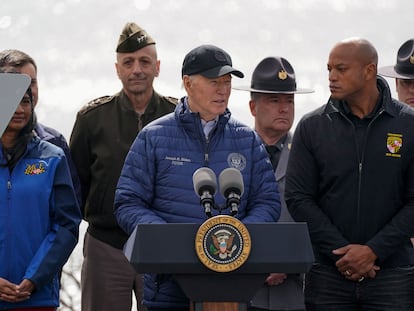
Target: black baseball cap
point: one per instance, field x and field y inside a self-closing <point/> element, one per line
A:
<point x="209" y="61"/>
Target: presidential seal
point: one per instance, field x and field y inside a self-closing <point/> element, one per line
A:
<point x="222" y="243"/>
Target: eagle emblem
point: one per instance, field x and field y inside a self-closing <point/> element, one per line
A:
<point x="223" y="244"/>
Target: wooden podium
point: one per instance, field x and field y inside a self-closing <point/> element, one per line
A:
<point x="170" y="249"/>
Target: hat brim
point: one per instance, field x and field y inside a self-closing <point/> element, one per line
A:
<point x="389" y="71"/>
<point x="297" y="91"/>
<point x="221" y="71"/>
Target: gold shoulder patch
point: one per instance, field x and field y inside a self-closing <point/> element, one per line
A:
<point x="95" y="103"/>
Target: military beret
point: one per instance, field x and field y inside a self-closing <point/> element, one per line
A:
<point x="133" y="38"/>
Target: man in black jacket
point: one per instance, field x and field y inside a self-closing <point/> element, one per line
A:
<point x="350" y="176"/>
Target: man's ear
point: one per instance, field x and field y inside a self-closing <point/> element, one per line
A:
<point x="252" y="105"/>
<point x="158" y="68"/>
<point x="116" y="69"/>
<point x="371" y="71"/>
<point x="186" y="82"/>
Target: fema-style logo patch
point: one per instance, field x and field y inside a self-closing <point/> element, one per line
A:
<point x="236" y="160"/>
<point x="36" y="168"/>
<point x="223" y="243"/>
<point x="394" y="145"/>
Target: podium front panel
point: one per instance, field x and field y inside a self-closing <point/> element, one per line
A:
<point x="170" y="248"/>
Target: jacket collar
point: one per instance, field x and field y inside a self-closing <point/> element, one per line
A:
<point x="151" y="107"/>
<point x="191" y="121"/>
<point x="30" y="145"/>
<point x="386" y="101"/>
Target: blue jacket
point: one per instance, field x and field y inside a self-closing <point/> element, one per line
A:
<point x="156" y="184"/>
<point x="39" y="221"/>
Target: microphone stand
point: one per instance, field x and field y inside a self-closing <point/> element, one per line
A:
<point x="232" y="203"/>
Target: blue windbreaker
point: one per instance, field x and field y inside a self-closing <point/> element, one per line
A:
<point x="39" y="221"/>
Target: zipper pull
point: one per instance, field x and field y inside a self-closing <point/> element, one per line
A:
<point x="8" y="185"/>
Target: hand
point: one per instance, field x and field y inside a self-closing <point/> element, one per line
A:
<point x="7" y="290"/>
<point x="10" y="292"/>
<point x="275" y="279"/>
<point x="357" y="262"/>
<point x="25" y="288"/>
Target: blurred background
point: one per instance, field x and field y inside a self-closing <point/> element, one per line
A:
<point x="74" y="41"/>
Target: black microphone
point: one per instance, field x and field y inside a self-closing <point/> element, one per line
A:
<point x="231" y="187"/>
<point x="205" y="185"/>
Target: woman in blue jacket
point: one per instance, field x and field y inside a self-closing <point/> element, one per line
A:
<point x="39" y="215"/>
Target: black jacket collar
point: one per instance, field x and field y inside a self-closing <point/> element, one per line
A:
<point x="386" y="101"/>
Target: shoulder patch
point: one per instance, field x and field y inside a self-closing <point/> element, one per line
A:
<point x="95" y="103"/>
<point x="170" y="99"/>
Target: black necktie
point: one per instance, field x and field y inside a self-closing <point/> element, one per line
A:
<point x="274" y="155"/>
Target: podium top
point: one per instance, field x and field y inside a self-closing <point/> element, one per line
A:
<point x="13" y="86"/>
<point x="170" y="248"/>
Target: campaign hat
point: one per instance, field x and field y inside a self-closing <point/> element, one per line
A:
<point x="404" y="68"/>
<point x="274" y="75"/>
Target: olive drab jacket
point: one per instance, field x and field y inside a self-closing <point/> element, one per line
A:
<point x="102" y="135"/>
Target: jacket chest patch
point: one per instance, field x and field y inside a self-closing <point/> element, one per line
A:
<point x="36" y="168"/>
<point x="236" y="160"/>
<point x="394" y="145"/>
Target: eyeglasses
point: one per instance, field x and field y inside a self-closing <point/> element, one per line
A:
<point x="406" y="83"/>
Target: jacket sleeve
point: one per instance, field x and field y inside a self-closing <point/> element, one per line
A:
<point x="301" y="193"/>
<point x="63" y="236"/>
<point x="80" y="155"/>
<point x="263" y="198"/>
<point x="134" y="192"/>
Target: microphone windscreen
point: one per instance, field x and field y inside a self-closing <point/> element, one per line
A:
<point x="230" y="179"/>
<point x="204" y="179"/>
